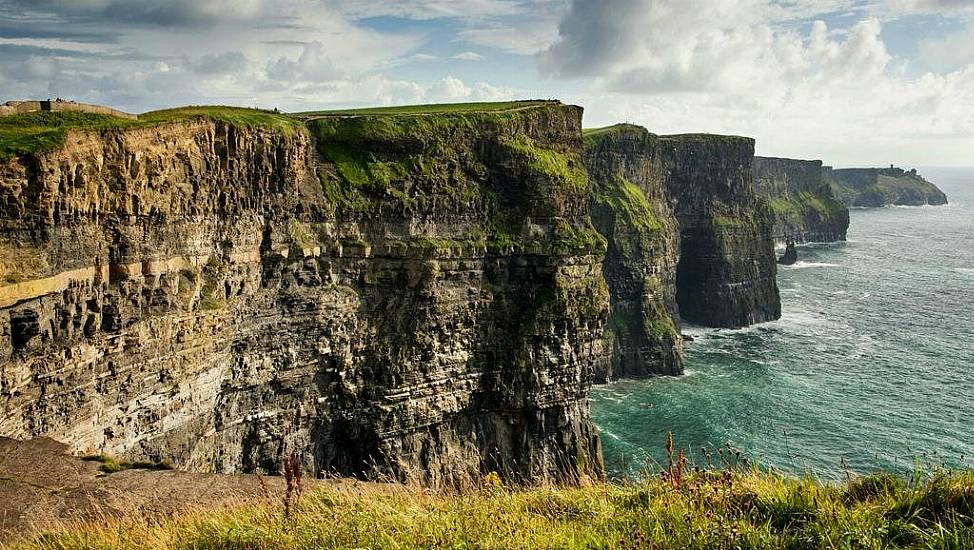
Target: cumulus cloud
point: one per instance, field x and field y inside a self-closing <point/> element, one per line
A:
<point x="738" y="66"/>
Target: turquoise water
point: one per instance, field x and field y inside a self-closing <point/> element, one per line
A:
<point x="872" y="364"/>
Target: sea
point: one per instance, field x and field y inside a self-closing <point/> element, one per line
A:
<point x="871" y="366"/>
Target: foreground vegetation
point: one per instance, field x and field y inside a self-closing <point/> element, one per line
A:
<point x="731" y="508"/>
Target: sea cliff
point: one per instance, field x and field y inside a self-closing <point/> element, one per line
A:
<point x="803" y="203"/>
<point x="688" y="240"/>
<point x="422" y="294"/>
<point x="413" y="297"/>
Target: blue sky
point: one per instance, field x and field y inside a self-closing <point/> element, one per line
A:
<point x="853" y="82"/>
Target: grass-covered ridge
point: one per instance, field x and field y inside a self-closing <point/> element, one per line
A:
<point x="41" y="131"/>
<point x="433" y="108"/>
<point x="727" y="509"/>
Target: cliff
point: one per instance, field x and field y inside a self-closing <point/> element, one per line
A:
<point x="874" y="187"/>
<point x="406" y="295"/>
<point x="727" y="272"/>
<point x="804" y="206"/>
<point x="630" y="207"/>
<point x="687" y="238"/>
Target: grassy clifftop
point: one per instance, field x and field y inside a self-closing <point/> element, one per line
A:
<point x="42" y="131"/>
<point x="432" y="108"/>
<point x="705" y="510"/>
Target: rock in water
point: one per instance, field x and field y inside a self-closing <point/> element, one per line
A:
<point x="790" y="257"/>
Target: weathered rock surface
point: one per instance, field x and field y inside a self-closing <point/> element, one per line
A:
<point x="415" y="297"/>
<point x="727" y="272"/>
<point x="687" y="237"/>
<point x="803" y="203"/>
<point x="874" y="187"/>
<point x="631" y="208"/>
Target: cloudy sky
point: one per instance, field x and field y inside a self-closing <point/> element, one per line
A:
<point x="854" y="82"/>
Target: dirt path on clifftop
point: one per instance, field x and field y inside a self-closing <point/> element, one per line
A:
<point x="43" y="487"/>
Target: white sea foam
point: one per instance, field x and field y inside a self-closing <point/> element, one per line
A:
<point x="964" y="270"/>
<point x="803" y="265"/>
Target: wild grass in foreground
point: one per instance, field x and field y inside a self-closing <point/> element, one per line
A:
<point x="731" y="508"/>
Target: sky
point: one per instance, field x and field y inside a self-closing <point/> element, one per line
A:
<point x="852" y="82"/>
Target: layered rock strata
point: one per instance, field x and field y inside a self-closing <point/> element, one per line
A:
<point x="412" y="297"/>
<point x="804" y="206"/>
<point x="874" y="187"/>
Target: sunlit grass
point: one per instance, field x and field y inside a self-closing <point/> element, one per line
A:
<point x="712" y="509"/>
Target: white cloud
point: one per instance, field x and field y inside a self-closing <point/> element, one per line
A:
<point x="832" y="93"/>
<point x="468" y="56"/>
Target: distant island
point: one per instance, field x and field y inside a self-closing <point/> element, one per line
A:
<point x="873" y="187"/>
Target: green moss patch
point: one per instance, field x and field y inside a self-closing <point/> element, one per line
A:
<point x="110" y="465"/>
<point x="560" y="167"/>
<point x="629" y="203"/>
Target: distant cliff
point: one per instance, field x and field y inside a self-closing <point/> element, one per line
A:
<point x="687" y="238"/>
<point x="883" y="187"/>
<point x="804" y="205"/>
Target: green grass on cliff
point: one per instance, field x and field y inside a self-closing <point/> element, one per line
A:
<point x="42" y="131"/>
<point x="437" y="108"/>
<point x="591" y="135"/>
<point x="238" y="116"/>
<point x="729" y="509"/>
<point x="796" y="207"/>
<point x="627" y="201"/>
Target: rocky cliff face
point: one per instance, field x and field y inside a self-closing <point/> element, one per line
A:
<point x="417" y="297"/>
<point x="802" y="202"/>
<point x="630" y="207"/>
<point x="727" y="271"/>
<point x="874" y="187"/>
<point x="687" y="237"/>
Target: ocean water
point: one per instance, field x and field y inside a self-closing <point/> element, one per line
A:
<point x="871" y="366"/>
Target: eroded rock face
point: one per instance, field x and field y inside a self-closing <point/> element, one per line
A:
<point x="630" y="207"/>
<point x="804" y="206"/>
<point x="727" y="271"/>
<point x="687" y="238"/>
<point x="218" y="296"/>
